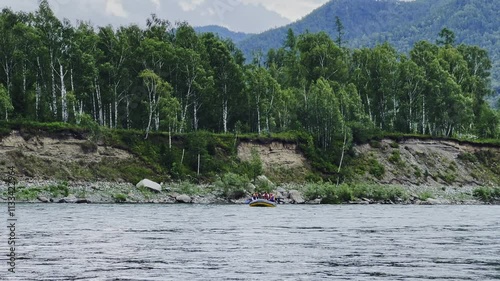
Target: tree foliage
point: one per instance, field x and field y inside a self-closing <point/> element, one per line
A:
<point x="166" y="77"/>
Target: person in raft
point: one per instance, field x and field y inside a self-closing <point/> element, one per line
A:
<point x="255" y="196"/>
<point x="266" y="195"/>
<point x="272" y="198"/>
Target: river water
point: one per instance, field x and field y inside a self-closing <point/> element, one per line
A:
<point x="174" y="242"/>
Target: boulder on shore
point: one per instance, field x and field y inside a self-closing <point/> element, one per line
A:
<point x="43" y="199"/>
<point x="156" y="187"/>
<point x="71" y="199"/>
<point x="183" y="199"/>
<point x="296" y="197"/>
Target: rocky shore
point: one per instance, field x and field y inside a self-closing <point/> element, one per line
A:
<point x="183" y="193"/>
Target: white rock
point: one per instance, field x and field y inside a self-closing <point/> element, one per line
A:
<point x="183" y="199"/>
<point x="296" y="197"/>
<point x="43" y="199"/>
<point x="149" y="184"/>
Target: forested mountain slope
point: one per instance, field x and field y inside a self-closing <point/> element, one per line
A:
<point x="369" y="22"/>
<point x="224" y="33"/>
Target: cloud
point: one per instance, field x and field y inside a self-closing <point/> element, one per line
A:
<point x="290" y="9"/>
<point x="156" y="3"/>
<point x="115" y="8"/>
<point x="190" y="5"/>
<point x="238" y="15"/>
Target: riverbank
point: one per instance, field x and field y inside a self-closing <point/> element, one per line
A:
<point x="71" y="165"/>
<point x="188" y="193"/>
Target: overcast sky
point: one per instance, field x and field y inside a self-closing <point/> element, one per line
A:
<point x="238" y="15"/>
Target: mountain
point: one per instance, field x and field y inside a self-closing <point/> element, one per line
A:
<point x="224" y="33"/>
<point x="401" y="23"/>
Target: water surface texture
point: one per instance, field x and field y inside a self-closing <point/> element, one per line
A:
<point x="174" y="242"/>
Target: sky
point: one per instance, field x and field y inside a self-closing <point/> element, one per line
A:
<point x="250" y="16"/>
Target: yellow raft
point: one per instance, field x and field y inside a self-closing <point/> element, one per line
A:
<point x="262" y="203"/>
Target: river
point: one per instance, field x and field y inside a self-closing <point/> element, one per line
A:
<point x="236" y="242"/>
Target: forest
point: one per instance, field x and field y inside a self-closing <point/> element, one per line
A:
<point x="401" y="23"/>
<point x="166" y="77"/>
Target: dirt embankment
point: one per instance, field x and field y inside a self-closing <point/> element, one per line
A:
<point x="409" y="163"/>
<point x="432" y="162"/>
<point x="281" y="161"/>
<point x="66" y="157"/>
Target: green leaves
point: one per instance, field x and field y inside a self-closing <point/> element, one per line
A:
<point x="168" y="77"/>
<point x="5" y="102"/>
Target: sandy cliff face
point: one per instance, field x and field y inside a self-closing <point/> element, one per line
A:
<point x="411" y="162"/>
<point x="274" y="155"/>
<point x="433" y="162"/>
<point x="65" y="157"/>
<point x="281" y="161"/>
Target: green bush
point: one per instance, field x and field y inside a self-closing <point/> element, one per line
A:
<point x="375" y="144"/>
<point x="395" y="145"/>
<point x="376" y="169"/>
<point x="468" y="157"/>
<point x="60" y="190"/>
<point x="232" y="186"/>
<point x="332" y="194"/>
<point x="380" y="192"/>
<point x="27" y="193"/>
<point x="362" y="132"/>
<point x="487" y="195"/>
<point x="120" y="198"/>
<point x="188" y="188"/>
<point x="425" y="195"/>
<point x="313" y="191"/>
<point x="418" y="172"/>
<point x="449" y="177"/>
<point x="395" y="157"/>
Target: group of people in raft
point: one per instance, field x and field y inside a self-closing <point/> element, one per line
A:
<point x="265" y="195"/>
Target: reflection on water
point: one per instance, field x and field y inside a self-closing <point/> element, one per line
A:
<point x="172" y="242"/>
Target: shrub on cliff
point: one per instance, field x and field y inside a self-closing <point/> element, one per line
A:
<point x="487" y="195"/>
<point x="232" y="186"/>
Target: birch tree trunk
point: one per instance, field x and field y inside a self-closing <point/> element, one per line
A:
<point x="258" y="114"/>
<point x="116" y="114"/>
<point x="423" y="115"/>
<point x="8" y="66"/>
<point x="110" y="115"/>
<point x="150" y="118"/>
<point x="225" y="114"/>
<point x="99" y="102"/>
<point x="128" y="113"/>
<point x="53" y="78"/>
<point x="225" y="110"/>
<point x="38" y="93"/>
<point x="195" y="115"/>
<point x="64" y="105"/>
<point x="24" y="79"/>
<point x="72" y="81"/>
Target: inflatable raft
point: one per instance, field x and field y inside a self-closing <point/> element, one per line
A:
<point x="262" y="203"/>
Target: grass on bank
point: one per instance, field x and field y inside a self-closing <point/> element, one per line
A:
<point x="330" y="193"/>
<point x="487" y="195"/>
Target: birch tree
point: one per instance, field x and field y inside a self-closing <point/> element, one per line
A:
<point x="50" y="32"/>
<point x="156" y="90"/>
<point x="227" y="77"/>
